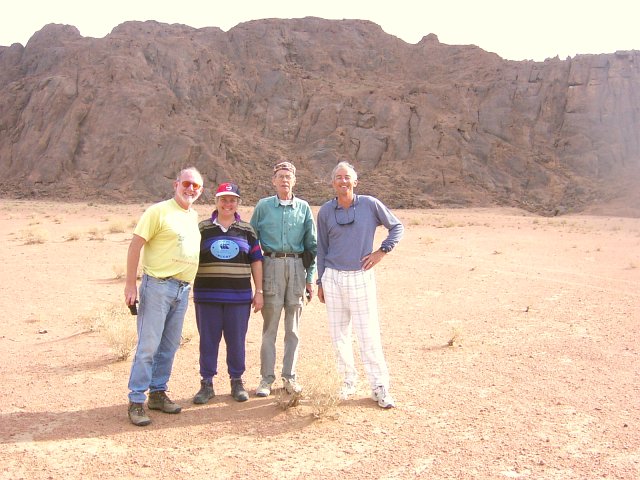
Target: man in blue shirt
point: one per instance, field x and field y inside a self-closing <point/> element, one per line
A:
<point x="284" y="225"/>
<point x="346" y="282"/>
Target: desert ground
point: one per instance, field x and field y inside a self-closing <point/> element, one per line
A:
<point x="512" y="341"/>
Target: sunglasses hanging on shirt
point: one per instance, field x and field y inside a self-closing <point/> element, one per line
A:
<point x="345" y="216"/>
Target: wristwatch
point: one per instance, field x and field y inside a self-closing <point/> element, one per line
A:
<point x="385" y="249"/>
<point x="259" y="291"/>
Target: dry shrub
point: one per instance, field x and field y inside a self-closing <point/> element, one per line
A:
<point x="35" y="236"/>
<point x="73" y="236"/>
<point x="116" y="324"/>
<point x="321" y="390"/>
<point x="455" y="338"/>
<point x="118" y="327"/>
<point x="117" y="227"/>
<point x="285" y="400"/>
<point x="96" y="234"/>
<point x="119" y="271"/>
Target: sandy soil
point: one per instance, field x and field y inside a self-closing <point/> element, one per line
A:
<point x="542" y="380"/>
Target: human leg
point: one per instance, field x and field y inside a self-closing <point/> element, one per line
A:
<point x="366" y="325"/>
<point x="293" y="302"/>
<point x="171" y="336"/>
<point x="273" y="285"/>
<point x="236" y="323"/>
<point x="292" y="314"/>
<point x="210" y="320"/>
<point x="339" y="319"/>
<point x="155" y="305"/>
<point x="271" y="318"/>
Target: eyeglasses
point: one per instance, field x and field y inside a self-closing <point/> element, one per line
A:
<point x="345" y="218"/>
<point x="187" y="183"/>
<point x="285" y="177"/>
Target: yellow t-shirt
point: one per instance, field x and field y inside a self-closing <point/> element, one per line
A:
<point x="172" y="247"/>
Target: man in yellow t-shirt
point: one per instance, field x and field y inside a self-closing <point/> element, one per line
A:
<point x="169" y="233"/>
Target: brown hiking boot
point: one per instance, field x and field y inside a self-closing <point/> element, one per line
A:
<point x="159" y="401"/>
<point x="137" y="415"/>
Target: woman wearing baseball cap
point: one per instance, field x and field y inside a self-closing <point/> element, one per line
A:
<point x="230" y="256"/>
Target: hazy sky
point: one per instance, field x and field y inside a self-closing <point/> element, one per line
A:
<point x="514" y="29"/>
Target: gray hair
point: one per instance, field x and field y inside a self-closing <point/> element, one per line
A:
<point x="344" y="164"/>
<point x="192" y="169"/>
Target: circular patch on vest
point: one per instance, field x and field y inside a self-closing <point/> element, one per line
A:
<point x="224" y="249"/>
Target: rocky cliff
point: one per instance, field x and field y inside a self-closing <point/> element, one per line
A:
<point x="425" y="125"/>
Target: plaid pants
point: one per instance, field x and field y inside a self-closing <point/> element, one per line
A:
<point x="350" y="297"/>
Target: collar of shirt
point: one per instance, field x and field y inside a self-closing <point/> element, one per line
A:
<point x="214" y="220"/>
<point x="336" y="205"/>
<point x="294" y="202"/>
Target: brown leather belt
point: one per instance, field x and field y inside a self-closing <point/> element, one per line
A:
<point x="282" y="255"/>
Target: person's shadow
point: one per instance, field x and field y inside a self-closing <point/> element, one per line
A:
<point x="249" y="418"/>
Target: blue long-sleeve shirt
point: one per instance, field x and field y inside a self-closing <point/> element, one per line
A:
<point x="342" y="243"/>
<point x="285" y="228"/>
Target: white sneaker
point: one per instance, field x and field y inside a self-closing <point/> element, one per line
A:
<point x="383" y="397"/>
<point x="291" y="386"/>
<point x="264" y="389"/>
<point x="347" y="390"/>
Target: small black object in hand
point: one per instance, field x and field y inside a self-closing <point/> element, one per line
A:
<point x="134" y="308"/>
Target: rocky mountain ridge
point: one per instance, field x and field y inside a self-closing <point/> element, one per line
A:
<point x="425" y="125"/>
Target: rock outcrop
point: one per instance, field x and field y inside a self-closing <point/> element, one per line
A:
<point x="425" y="125"/>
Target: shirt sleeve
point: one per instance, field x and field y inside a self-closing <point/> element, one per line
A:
<point x="310" y="241"/>
<point x="391" y="223"/>
<point x="322" y="243"/>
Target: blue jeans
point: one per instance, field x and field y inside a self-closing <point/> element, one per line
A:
<point x="163" y="304"/>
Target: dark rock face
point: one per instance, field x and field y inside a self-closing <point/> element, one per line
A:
<point x="425" y="125"/>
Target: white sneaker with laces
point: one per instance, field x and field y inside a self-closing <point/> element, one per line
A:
<point x="383" y="397"/>
<point x="264" y="389"/>
<point x="291" y="386"/>
<point x="348" y="389"/>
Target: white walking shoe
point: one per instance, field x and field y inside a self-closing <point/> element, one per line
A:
<point x="383" y="397"/>
<point x="291" y="386"/>
<point x="264" y="389"/>
<point x="348" y="390"/>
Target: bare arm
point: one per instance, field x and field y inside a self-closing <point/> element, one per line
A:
<point x="133" y="258"/>
<point x="256" y="273"/>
